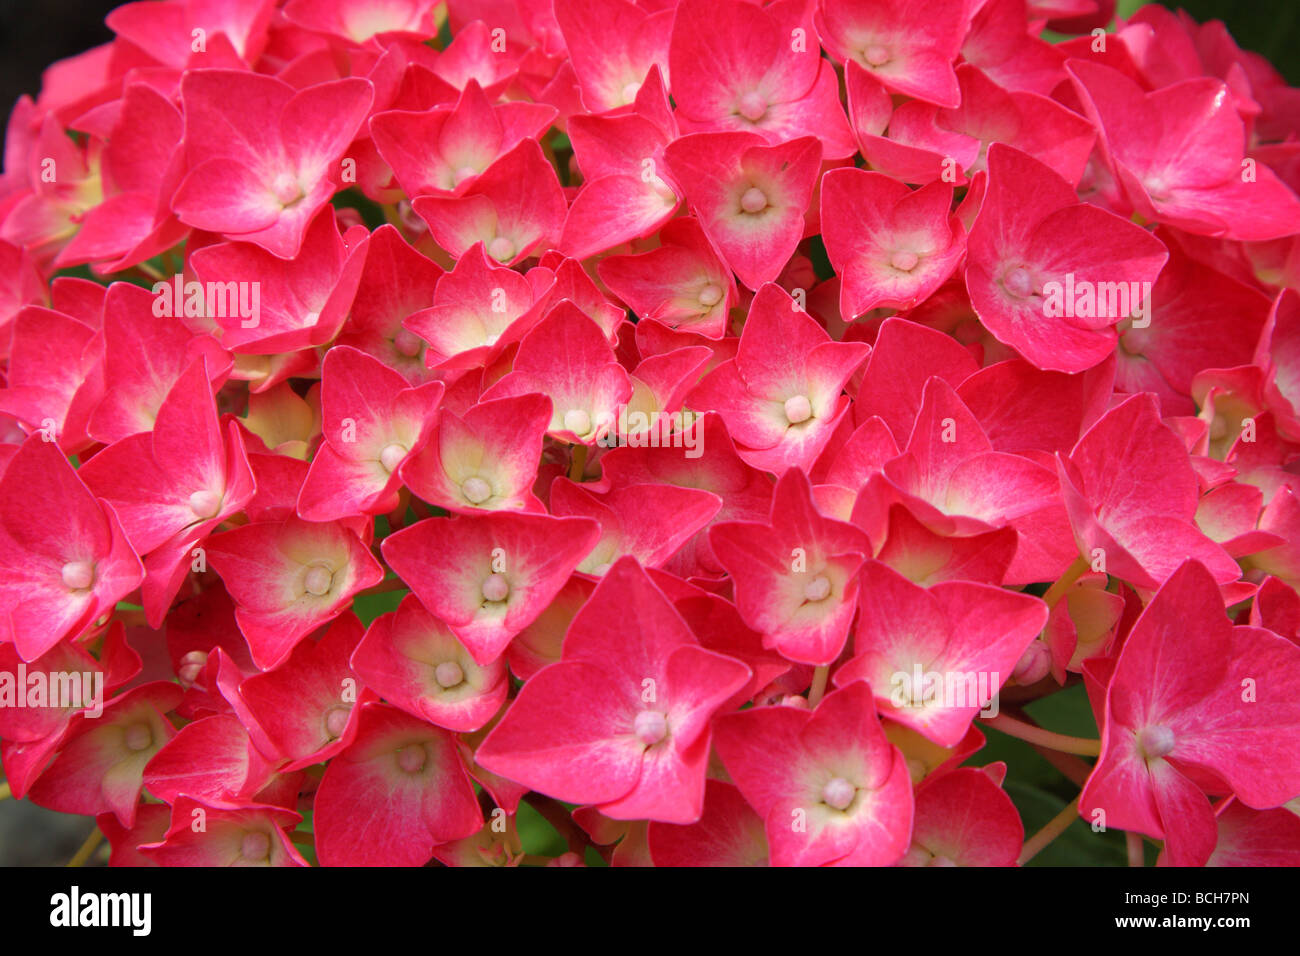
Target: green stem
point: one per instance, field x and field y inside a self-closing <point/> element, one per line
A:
<point x="133" y="618"/>
<point x="1082" y="746"/>
<point x="579" y="463"/>
<point x="1050" y="831"/>
<point x="820" y="676"/>
<point x="1065" y="582"/>
<point x="149" y="271"/>
<point x="1136" y="850"/>
<point x="1074" y="769"/>
<point x="88" y="848"/>
<point x="554" y="813"/>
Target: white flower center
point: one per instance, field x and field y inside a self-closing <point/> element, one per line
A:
<point x="710" y="295"/>
<point x="448" y="674"/>
<point x="255" y="846"/>
<point x="1156" y="740"/>
<point x="78" y="575"/>
<point x="318" y="580"/>
<point x="798" y="409"/>
<point x="651" y="727"/>
<point x="496" y="587"/>
<point x="577" y="421"/>
<point x="838" y="793"/>
<point x="754" y="200"/>
<point x="818" y="589"/>
<point x="904" y="260"/>
<point x="752" y="106"/>
<point x="476" y="490"/>
<point x="391" y="457"/>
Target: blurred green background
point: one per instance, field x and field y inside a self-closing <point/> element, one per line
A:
<point x="1270" y="27"/>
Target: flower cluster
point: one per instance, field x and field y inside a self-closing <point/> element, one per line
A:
<point x="681" y="432"/>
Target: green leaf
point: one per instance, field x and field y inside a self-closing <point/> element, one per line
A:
<point x="370" y="606"/>
<point x="1078" y="845"/>
<point x="372" y="214"/>
<point x="536" y="834"/>
<point x="1066" y="712"/>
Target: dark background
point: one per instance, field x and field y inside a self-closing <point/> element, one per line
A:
<point x="1270" y="27"/>
<point x="35" y="33"/>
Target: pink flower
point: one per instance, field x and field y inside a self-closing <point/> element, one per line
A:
<point x="625" y="195"/>
<point x="212" y="758"/>
<point x="796" y="576"/>
<point x="892" y="246"/>
<point x="101" y="763"/>
<point x="490" y="576"/>
<point x="964" y="818"/>
<point x="935" y="657"/>
<point x="613" y="45"/>
<point x="65" y="558"/>
<point x="909" y="48"/>
<point x="289" y="577"/>
<point x="951" y="478"/>
<point x="129" y="330"/>
<point x="478" y="309"/>
<point x="372" y="423"/>
<point x="828" y="784"/>
<point x="1187" y="169"/>
<point x="1195" y="704"/>
<point x="647" y="522"/>
<point x="729" y="833"/>
<point x="683" y="283"/>
<point x="466" y="139"/>
<point x="398" y="790"/>
<point x="781" y="396"/>
<point x="1131" y="496"/>
<point x="567" y="358"/>
<point x="1032" y="245"/>
<point x="141" y="169"/>
<point x="395" y="282"/>
<point x="172" y="486"/>
<point x="235" y="29"/>
<point x="52" y="383"/>
<point x="249" y="835"/>
<point x="638" y="742"/>
<point x="283" y="305"/>
<point x="307" y="707"/>
<point x="261" y="156"/>
<point x="749" y="197"/>
<point x="738" y="66"/>
<point x="515" y="208"/>
<point x="419" y="665"/>
<point x="486" y="461"/>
